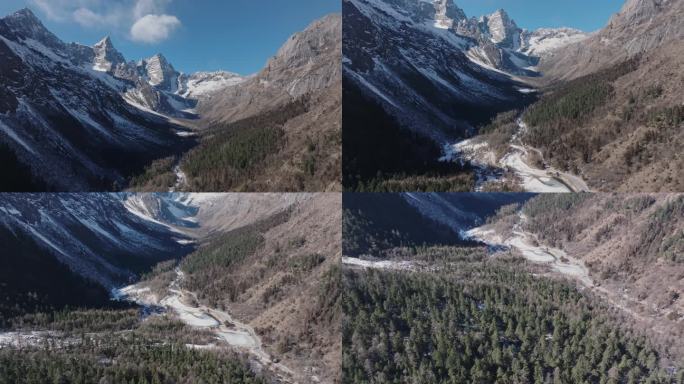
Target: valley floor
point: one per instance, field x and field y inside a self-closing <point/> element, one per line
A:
<point x="552" y="262"/>
<point x="513" y="168"/>
<point x="560" y="263"/>
<point x="230" y="332"/>
<point x="529" y="247"/>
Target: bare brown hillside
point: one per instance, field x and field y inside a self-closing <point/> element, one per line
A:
<point x="613" y="109"/>
<point x="278" y="271"/>
<point x="620" y="128"/>
<point x="307" y="69"/>
<point x="295" y="305"/>
<point x="633" y="247"/>
<point x="641" y="26"/>
<point x="279" y="130"/>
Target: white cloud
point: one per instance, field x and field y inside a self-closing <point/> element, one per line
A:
<point x="60" y="10"/>
<point x="144" y="21"/>
<point x="154" y="28"/>
<point x="146" y="7"/>
<point x="88" y="18"/>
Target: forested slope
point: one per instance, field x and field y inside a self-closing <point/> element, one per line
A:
<point x="486" y="321"/>
<point x="279" y="274"/>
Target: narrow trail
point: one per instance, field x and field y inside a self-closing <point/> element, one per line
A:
<point x="21" y="339"/>
<point x="533" y="178"/>
<point x="380" y="264"/>
<point x="235" y="334"/>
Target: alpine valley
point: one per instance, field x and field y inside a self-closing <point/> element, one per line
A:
<point x="84" y="118"/>
<point x="170" y="288"/>
<point x="437" y="101"/>
<point x="513" y="288"/>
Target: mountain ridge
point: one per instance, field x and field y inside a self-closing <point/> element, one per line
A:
<point x="92" y="105"/>
<point x="496" y="51"/>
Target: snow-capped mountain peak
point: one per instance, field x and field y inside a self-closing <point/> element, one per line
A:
<point x="447" y="14"/>
<point x="106" y="56"/>
<point x="543" y="41"/>
<point x="26" y="16"/>
<point x="159" y="71"/>
<point x="105" y="42"/>
<point x="25" y="25"/>
<point x="200" y="84"/>
<point x="502" y="28"/>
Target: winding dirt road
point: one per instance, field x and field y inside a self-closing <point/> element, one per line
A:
<point x="231" y="332"/>
<point x="517" y="161"/>
<point x="558" y="260"/>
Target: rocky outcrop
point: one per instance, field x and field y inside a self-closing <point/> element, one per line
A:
<point x="641" y="26"/>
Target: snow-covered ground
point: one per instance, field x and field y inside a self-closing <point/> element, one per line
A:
<point x="480" y="156"/>
<point x="381" y="264"/>
<point x="529" y="247"/>
<point x="517" y="161"/>
<point x="231" y="332"/>
<point x="531" y="179"/>
<point x="186" y="133"/>
<point x="203" y="84"/>
<point x="21" y="339"/>
<point x="181" y="179"/>
<point x="545" y="41"/>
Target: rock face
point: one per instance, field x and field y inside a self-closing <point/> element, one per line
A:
<point x="300" y="67"/>
<point x="68" y="122"/>
<point x="502" y="29"/>
<point x="641" y="26"/>
<point x="427" y="64"/>
<point x="107" y="58"/>
<point x="447" y="13"/>
<point x="96" y="235"/>
<point x="159" y="73"/>
<point x="90" y="106"/>
<point x="304" y="75"/>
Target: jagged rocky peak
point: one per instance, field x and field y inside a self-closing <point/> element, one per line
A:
<point x="23" y="18"/>
<point x="25" y="25"/>
<point x="105" y="43"/>
<point x="501" y="27"/>
<point x="447" y="14"/>
<point x="107" y="58"/>
<point x="159" y="72"/>
<point x="636" y="10"/>
<point x="320" y="36"/>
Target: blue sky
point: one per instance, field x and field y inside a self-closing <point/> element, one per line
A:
<point x="233" y="35"/>
<point x="587" y="15"/>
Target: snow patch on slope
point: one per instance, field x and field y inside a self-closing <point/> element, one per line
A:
<point x="13" y="135"/>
